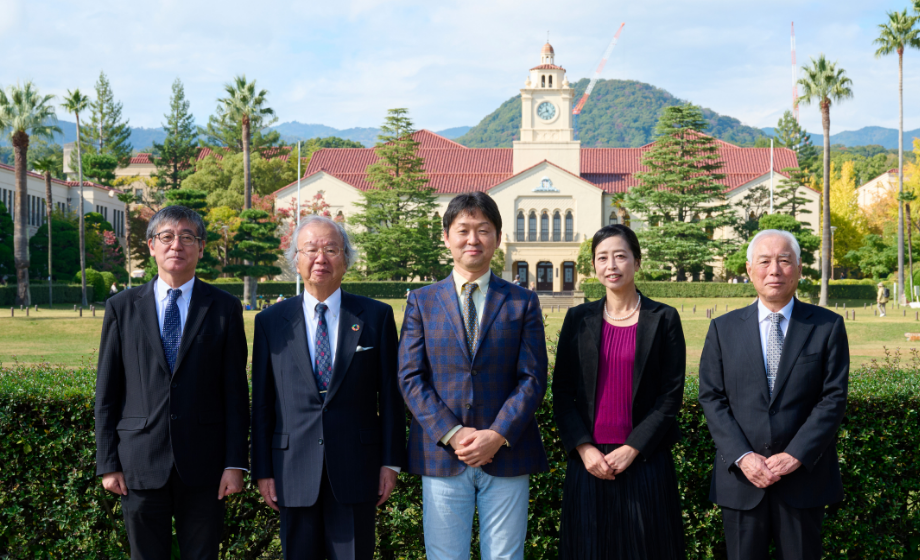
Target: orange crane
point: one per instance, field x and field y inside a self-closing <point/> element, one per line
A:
<point x="597" y="74"/>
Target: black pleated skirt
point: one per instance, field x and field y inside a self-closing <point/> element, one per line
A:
<point x="634" y="517"/>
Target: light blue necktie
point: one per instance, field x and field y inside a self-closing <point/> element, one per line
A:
<point x="172" y="328"/>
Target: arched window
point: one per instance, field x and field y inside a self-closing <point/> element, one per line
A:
<point x="519" y="234"/>
<point x="544" y="226"/>
<point x="543" y="80"/>
<point x="550" y="81"/>
<point x="557" y="226"/>
<point x="532" y="227"/>
<point x="612" y="220"/>
<point x="569" y="226"/>
<point x="624" y="217"/>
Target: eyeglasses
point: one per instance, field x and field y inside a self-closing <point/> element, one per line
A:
<point x="168" y="237"/>
<point x="312" y="252"/>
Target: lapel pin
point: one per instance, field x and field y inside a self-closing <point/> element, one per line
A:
<point x="355" y="327"/>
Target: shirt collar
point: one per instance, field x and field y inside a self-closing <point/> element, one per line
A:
<point x="333" y="302"/>
<point x="162" y="289"/>
<point x="763" y="313"/>
<point x="482" y="282"/>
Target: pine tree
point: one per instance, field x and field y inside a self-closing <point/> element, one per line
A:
<point x="786" y="197"/>
<point x="680" y="198"/>
<point x="790" y="135"/>
<point x="255" y="242"/>
<point x="105" y="132"/>
<point x="176" y="155"/>
<point x="399" y="237"/>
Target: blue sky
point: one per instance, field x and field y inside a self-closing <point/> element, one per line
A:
<point x="344" y="63"/>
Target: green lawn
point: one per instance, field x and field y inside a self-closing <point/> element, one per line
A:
<point x="60" y="337"/>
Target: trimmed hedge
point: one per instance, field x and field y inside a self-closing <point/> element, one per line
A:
<point x="52" y="505"/>
<point x="378" y="290"/>
<point x="62" y="293"/>
<point x="595" y="290"/>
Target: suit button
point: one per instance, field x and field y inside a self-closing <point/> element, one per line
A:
<point x="175" y="416"/>
<point x="773" y="412"/>
<point x="468" y="406"/>
<point x="320" y="442"/>
<point x="475" y="372"/>
<point x="174" y="385"/>
<point x="766" y="446"/>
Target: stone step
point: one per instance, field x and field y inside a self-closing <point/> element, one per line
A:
<point x="559" y="301"/>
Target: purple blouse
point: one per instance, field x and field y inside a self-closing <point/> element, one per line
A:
<point x="613" y="401"/>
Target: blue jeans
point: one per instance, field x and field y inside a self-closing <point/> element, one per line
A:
<point x="448" y="506"/>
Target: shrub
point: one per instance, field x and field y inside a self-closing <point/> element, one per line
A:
<point x="96" y="280"/>
<point x="61" y="293"/>
<point x="108" y="279"/>
<point x="379" y="290"/>
<point x="679" y="290"/>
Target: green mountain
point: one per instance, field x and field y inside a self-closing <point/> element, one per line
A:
<point x="619" y="114"/>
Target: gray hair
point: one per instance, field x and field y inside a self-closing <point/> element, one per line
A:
<point x="292" y="251"/>
<point x="172" y="215"/>
<point x="793" y="242"/>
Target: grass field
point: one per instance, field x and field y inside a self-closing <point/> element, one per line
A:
<point x="58" y="336"/>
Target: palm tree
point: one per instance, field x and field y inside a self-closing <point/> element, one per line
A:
<point x="46" y="166"/>
<point x="246" y="106"/>
<point x="894" y="36"/>
<point x="825" y="83"/>
<point x="26" y="113"/>
<point x="75" y="102"/>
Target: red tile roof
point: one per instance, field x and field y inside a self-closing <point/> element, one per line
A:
<point x="60" y="182"/>
<point x="452" y="168"/>
<point x="547" y="67"/>
<point x="142" y="158"/>
<point x="281" y="153"/>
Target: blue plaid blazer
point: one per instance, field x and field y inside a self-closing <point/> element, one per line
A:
<point x="499" y="387"/>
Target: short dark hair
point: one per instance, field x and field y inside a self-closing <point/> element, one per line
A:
<point x="617" y="230"/>
<point x="172" y="215"/>
<point x="467" y="203"/>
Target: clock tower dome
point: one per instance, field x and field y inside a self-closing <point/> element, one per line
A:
<point x="546" y="119"/>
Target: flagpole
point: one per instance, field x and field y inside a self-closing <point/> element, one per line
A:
<point x="294" y="241"/>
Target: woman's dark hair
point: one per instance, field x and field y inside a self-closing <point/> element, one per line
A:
<point x="617" y="230"/>
<point x="467" y="203"/>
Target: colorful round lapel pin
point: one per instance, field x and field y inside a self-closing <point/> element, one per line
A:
<point x="355" y="327"/>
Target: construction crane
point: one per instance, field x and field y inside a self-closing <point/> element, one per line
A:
<point x="795" y="85"/>
<point x="597" y="74"/>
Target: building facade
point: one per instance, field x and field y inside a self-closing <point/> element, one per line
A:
<point x="552" y="193"/>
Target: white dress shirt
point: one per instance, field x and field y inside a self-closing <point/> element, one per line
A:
<point x="763" y="324"/>
<point x="334" y="304"/>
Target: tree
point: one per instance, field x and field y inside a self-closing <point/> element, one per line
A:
<point x="25" y="112"/>
<point x="7" y="262"/>
<point x="824" y="84"/>
<point x="75" y="102"/>
<point x="790" y="135"/>
<point x="786" y="199"/>
<point x="845" y="215"/>
<point x="808" y="242"/>
<point x="680" y="197"/>
<point x="897" y="34"/>
<point x="64" y="253"/>
<point x="754" y="204"/>
<point x="100" y="168"/>
<point x="584" y="263"/>
<point x="875" y="257"/>
<point x="106" y="133"/>
<point x="255" y="243"/>
<point x="399" y="234"/>
<point x="224" y="182"/>
<point x="176" y="155"/>
<point x="127" y="199"/>
<point x="497" y="264"/>
<point x="47" y="165"/>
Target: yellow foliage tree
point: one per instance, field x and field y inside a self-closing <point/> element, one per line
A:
<point x="846" y="215"/>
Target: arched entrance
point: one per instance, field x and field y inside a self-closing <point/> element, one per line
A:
<point x="544" y="277"/>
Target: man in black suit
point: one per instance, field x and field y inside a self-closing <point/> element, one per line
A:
<point x="172" y="402"/>
<point x="773" y="386"/>
<point x="329" y="424"/>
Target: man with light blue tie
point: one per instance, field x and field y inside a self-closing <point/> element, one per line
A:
<point x="172" y="401"/>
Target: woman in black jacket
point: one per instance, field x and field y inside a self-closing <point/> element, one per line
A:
<point x="617" y="389"/>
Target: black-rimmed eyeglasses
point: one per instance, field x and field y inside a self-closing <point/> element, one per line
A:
<point x="167" y="238"/>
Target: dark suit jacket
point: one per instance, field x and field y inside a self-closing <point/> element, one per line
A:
<point x="360" y="427"/>
<point x="196" y="418"/>
<point x="658" y="376"/>
<point x="500" y="387"/>
<point x="801" y="418"/>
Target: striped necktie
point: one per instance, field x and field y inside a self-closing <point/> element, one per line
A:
<point x="172" y="328"/>
<point x="470" y="318"/>
<point x="774" y="348"/>
<point x="322" y="363"/>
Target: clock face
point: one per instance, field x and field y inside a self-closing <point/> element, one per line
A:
<point x="546" y="110"/>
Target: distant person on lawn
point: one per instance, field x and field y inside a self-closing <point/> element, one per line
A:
<point x="881" y="299"/>
<point x="172" y="400"/>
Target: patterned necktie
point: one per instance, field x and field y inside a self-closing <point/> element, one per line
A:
<point x="172" y="328"/>
<point x="774" y="348"/>
<point x="470" y="319"/>
<point x="322" y="363"/>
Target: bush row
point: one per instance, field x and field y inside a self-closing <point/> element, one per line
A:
<point x="595" y="290"/>
<point x="61" y="293"/>
<point x="377" y="290"/>
<point x="52" y="505"/>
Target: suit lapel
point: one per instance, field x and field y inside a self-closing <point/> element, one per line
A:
<point x="589" y="352"/>
<point x="146" y="308"/>
<point x="498" y="291"/>
<point x="751" y="335"/>
<point x="197" y="309"/>
<point x="645" y="337"/>
<point x="447" y="296"/>
<point x="793" y="342"/>
<point x="299" y="345"/>
<point x="347" y="342"/>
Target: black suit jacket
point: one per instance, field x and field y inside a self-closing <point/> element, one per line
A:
<point x="801" y="418"/>
<point x="196" y="418"/>
<point x="658" y="376"/>
<point x="360" y="427"/>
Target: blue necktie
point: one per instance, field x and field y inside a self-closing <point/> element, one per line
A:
<point x="322" y="362"/>
<point x="172" y="328"/>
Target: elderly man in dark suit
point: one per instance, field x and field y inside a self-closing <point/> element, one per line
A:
<point x="328" y="422"/>
<point x="773" y="386"/>
<point x="472" y="368"/>
<point x="172" y="402"/>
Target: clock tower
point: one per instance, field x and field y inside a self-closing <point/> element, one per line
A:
<point x="546" y="119"/>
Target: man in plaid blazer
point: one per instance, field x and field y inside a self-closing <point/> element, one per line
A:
<point x="472" y="369"/>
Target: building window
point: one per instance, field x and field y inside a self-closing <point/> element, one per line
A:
<point x="139" y="193"/>
<point x="544" y="226"/>
<point x="612" y="219"/>
<point x="569" y="226"/>
<point x="519" y="233"/>
<point x="557" y="226"/>
<point x="520" y="270"/>
<point x="532" y="227"/>
<point x="550" y="81"/>
<point x="543" y="80"/>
